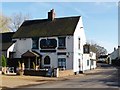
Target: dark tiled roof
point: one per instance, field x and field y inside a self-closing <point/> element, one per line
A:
<point x="31" y="54"/>
<point x="45" y="27"/>
<point x="7" y="40"/>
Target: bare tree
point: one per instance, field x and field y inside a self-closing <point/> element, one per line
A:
<point x="17" y="19"/>
<point x="99" y="50"/>
<point x="4" y="23"/>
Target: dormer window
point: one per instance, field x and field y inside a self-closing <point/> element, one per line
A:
<point x="86" y="48"/>
<point x="61" y="42"/>
<point x="35" y="43"/>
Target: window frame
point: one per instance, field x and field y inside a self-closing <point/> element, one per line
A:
<point x="88" y="62"/>
<point x="92" y="62"/>
<point x="48" y="57"/>
<point x="36" y="42"/>
<point x="79" y="43"/>
<point x="63" y="40"/>
<point x="62" y="63"/>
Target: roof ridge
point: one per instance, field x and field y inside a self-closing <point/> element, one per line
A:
<point x="55" y="18"/>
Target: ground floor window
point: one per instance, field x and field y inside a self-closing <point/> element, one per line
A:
<point x="91" y="62"/>
<point x="62" y="63"/>
<point x="87" y="62"/>
<point x="47" y="60"/>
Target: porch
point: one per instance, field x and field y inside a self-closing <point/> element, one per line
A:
<point x="31" y="60"/>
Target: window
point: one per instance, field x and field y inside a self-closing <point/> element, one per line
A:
<point x="61" y="42"/>
<point x="48" y="43"/>
<point x="62" y="63"/>
<point x="78" y="43"/>
<point x="35" y="43"/>
<point x="79" y="63"/>
<point x="86" y="48"/>
<point x="87" y="62"/>
<point x="91" y="62"/>
<point x="47" y="60"/>
<point x="11" y="54"/>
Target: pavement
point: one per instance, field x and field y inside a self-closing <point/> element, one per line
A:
<point x="14" y="81"/>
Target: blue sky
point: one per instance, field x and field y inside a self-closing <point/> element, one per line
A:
<point x="100" y="19"/>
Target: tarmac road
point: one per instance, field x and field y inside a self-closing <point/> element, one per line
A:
<point x="103" y="77"/>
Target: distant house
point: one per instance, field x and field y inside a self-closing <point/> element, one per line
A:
<point x="115" y="56"/>
<point x="104" y="59"/>
<point x="7" y="47"/>
<point x="53" y="43"/>
<point x="7" y="44"/>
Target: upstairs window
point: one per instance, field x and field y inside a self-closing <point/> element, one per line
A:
<point x="48" y="43"/>
<point x="35" y="43"/>
<point x="61" y="42"/>
<point x="86" y="49"/>
<point x="78" y="43"/>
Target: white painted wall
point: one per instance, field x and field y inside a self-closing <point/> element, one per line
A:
<point x="10" y="49"/>
<point x="78" y="54"/>
<point x="94" y="58"/>
<point x="54" y="57"/>
<point x="88" y="57"/>
<point x="22" y="46"/>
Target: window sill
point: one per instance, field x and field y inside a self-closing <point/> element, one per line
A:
<point x="34" y="48"/>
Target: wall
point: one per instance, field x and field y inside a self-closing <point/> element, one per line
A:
<point x="22" y="46"/>
<point x="65" y="73"/>
<point x="90" y="58"/>
<point x="78" y="54"/>
<point x="85" y="58"/>
<point x="10" y="49"/>
<point x="54" y="57"/>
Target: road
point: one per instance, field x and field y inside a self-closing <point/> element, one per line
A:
<point x="103" y="77"/>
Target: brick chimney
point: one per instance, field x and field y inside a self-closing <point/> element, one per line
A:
<point x="51" y="15"/>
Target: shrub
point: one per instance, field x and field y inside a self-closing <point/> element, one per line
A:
<point x="4" y="63"/>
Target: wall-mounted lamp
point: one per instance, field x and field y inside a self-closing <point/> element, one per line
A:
<point x="68" y="54"/>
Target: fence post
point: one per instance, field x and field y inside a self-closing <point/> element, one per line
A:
<point x="57" y="72"/>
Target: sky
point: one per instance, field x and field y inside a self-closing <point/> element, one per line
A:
<point x="100" y="19"/>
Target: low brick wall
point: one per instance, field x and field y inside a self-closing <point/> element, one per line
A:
<point x="35" y="72"/>
<point x="65" y="73"/>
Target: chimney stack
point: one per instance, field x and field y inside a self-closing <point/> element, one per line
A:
<point x="51" y="15"/>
